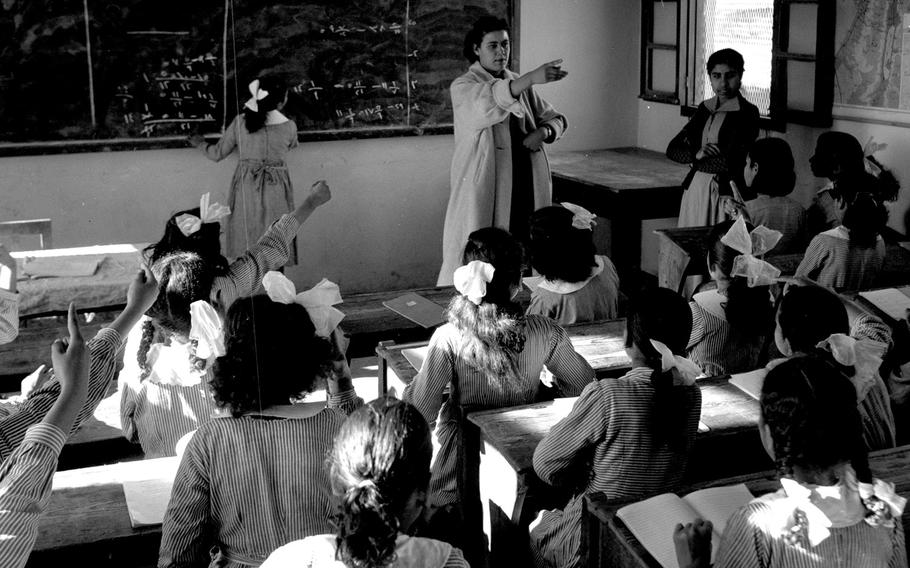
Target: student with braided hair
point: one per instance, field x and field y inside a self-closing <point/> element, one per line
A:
<point x="829" y="510"/>
<point x="163" y="393"/>
<point x="379" y="468"/>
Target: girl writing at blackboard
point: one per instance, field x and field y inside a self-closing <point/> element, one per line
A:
<point x="261" y="189"/>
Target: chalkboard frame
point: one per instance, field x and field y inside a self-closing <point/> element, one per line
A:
<point x="76" y="146"/>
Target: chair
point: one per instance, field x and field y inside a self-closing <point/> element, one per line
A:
<point x="40" y="227"/>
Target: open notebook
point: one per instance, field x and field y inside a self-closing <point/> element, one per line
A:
<point x="751" y="382"/>
<point x="652" y="521"/>
<point x="146" y="500"/>
<point x="417" y="309"/>
<point x="893" y="301"/>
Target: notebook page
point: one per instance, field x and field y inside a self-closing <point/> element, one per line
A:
<point x="892" y="301"/>
<point x="717" y="504"/>
<point x="652" y="522"/>
<point x="416" y="356"/>
<point x="146" y="500"/>
<point x="751" y="382"/>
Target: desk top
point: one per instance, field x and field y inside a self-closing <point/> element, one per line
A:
<point x="600" y="343"/>
<point x="104" y="289"/>
<point x="618" y="169"/>
<point x="88" y="507"/>
<point x="515" y="432"/>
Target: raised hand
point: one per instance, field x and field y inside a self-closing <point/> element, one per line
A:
<point x="320" y="194"/>
<point x="548" y="72"/>
<point x="70" y="358"/>
<point x="143" y="291"/>
<point x="693" y="544"/>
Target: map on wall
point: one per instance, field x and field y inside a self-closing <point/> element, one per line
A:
<point x="872" y="58"/>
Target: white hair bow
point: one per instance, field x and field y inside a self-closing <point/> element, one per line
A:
<point x="209" y="213"/>
<point x="207" y="329"/>
<point x="318" y="300"/>
<point x="581" y="217"/>
<point x="751" y="245"/>
<point x="863" y="355"/>
<point x="471" y="280"/>
<point x="884" y="491"/>
<point x="257" y="95"/>
<point x="686" y="370"/>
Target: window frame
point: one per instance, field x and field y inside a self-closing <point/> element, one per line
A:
<point x="648" y="46"/>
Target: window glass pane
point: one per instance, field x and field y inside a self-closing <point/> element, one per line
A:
<point x="746" y="26"/>
<point x="665" y="23"/>
<point x="663" y="70"/>
<point x="803" y="28"/>
<point x="801" y="85"/>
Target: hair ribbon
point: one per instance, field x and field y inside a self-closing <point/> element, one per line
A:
<point x="891" y="504"/>
<point x="257" y="95"/>
<point x="471" y="280"/>
<point x="865" y="356"/>
<point x="207" y="329"/>
<point x="750" y="246"/>
<point x="581" y="217"/>
<point x="318" y="300"/>
<point x="209" y="213"/>
<point x="685" y="370"/>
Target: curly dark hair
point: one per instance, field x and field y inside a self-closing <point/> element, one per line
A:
<point x="481" y="27"/>
<point x="662" y="315"/>
<point x="272" y="355"/>
<point x="866" y="218"/>
<point x="749" y="310"/>
<point x="206" y="242"/>
<point x="560" y="251"/>
<point x="493" y="332"/>
<point x="381" y="456"/>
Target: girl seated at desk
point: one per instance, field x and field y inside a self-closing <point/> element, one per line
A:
<point x="579" y="285"/>
<point x="829" y="510"/>
<point x="165" y="373"/>
<point x="254" y="481"/>
<point x="489" y="355"/>
<point x="624" y="437"/>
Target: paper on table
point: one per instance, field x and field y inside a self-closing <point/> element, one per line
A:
<point x="146" y="500"/>
<point x="751" y="382"/>
<point x="417" y="309"/>
<point x="59" y="267"/>
<point x="894" y="302"/>
<point x="416" y="356"/>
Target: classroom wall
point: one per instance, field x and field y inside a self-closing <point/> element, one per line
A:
<point x="383" y="229"/>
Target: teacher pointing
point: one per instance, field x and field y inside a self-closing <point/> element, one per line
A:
<point x="500" y="173"/>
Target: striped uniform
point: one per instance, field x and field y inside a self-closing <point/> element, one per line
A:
<point x="833" y="262"/>
<point x="753" y="539"/>
<point x="410" y="552"/>
<point x="714" y="345"/>
<point x="607" y="437"/>
<point x="158" y="414"/>
<point x="781" y="214"/>
<point x="102" y="350"/>
<point x="546" y="343"/>
<point x="879" y="429"/>
<point x="251" y="484"/>
<point x="9" y="316"/>
<point x="825" y="212"/>
<point x="25" y="489"/>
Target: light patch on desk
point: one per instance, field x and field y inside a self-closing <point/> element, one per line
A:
<point x="411" y="304"/>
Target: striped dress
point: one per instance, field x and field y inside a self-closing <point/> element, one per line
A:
<point x="781" y="214"/>
<point x="410" y="552"/>
<point x="103" y="349"/>
<point x="25" y="489"/>
<point x="546" y="343"/>
<point x="251" y="484"/>
<point x="753" y="538"/>
<point x="606" y="445"/>
<point x="714" y="345"/>
<point x="9" y="316"/>
<point x="833" y="262"/>
<point x="158" y="411"/>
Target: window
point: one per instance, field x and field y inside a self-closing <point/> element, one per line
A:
<point x="788" y="47"/>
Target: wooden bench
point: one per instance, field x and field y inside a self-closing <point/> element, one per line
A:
<point x="39" y="227"/>
<point x="609" y="542"/>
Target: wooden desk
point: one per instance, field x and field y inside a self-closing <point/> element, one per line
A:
<point x="600" y="343"/>
<point x="611" y="544"/>
<point x="625" y="185"/>
<point x="104" y="290"/>
<point x="87" y="518"/>
<point x="683" y="252"/>
<point x="511" y="492"/>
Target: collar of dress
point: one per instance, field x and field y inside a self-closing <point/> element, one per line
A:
<point x="274" y="117"/>
<point x="292" y="411"/>
<point x="563" y="287"/>
<point x="730" y="105"/>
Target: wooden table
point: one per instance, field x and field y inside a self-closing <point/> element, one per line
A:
<point x="87" y="518"/>
<point x="625" y="185"/>
<point x="511" y="492"/>
<point x="611" y="544"/>
<point x="103" y="290"/>
<point x="683" y="252"/>
<point x="601" y="343"/>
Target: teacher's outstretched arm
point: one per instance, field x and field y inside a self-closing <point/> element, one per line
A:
<point x="546" y="73"/>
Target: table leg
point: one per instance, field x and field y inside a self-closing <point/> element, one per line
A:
<point x="625" y="248"/>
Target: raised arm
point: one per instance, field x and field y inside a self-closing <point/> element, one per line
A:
<point x="221" y="149"/>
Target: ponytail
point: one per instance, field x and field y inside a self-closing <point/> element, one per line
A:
<point x="367" y="530"/>
<point x="148" y="333"/>
<point x="865" y="217"/>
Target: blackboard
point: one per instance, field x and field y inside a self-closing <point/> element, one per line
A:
<point x="78" y="70"/>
